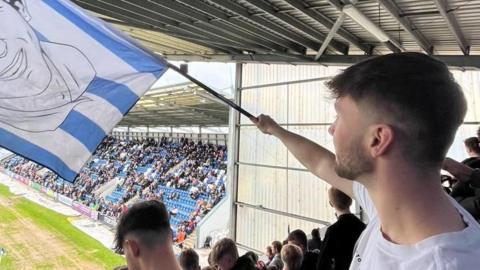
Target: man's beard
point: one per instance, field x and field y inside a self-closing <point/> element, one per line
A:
<point x="353" y="161"/>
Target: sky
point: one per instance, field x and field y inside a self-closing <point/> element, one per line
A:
<point x="219" y="76"/>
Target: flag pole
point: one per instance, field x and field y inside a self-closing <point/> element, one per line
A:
<point x="213" y="92"/>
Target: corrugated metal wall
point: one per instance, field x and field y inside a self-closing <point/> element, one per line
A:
<point x="303" y="108"/>
<point x="269" y="176"/>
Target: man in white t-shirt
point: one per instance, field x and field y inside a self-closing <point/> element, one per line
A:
<point x="397" y="115"/>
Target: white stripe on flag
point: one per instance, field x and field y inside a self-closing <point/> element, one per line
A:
<point x="137" y="82"/>
<point x="96" y="110"/>
<point x="56" y="142"/>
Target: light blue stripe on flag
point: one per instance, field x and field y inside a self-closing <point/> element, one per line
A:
<point x="83" y="129"/>
<point x="131" y="56"/>
<point x="119" y="95"/>
<point x="27" y="149"/>
<point x="40" y="36"/>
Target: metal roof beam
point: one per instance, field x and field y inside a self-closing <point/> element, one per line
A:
<point x="406" y="24"/>
<point x="330" y="35"/>
<point x="181" y="109"/>
<point x="154" y="44"/>
<point x="461" y="61"/>
<point x="335" y="45"/>
<point x="453" y="25"/>
<point x="366" y="23"/>
<point x="325" y="21"/>
<point x="218" y="14"/>
<point x="242" y="12"/>
<point x="182" y="10"/>
<point x="392" y="47"/>
<point x="144" y="8"/>
<point x="147" y="23"/>
<point x="185" y="36"/>
<point x="213" y="43"/>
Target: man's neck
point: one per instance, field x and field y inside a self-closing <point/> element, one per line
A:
<point x="160" y="259"/>
<point x="411" y="205"/>
<point x="474" y="155"/>
<point x="342" y="212"/>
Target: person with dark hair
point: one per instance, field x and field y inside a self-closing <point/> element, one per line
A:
<point x="144" y="236"/>
<point x="472" y="146"/>
<point x="224" y="254"/>
<point x="299" y="238"/>
<point x="340" y="238"/>
<point x="189" y="259"/>
<point x="246" y="262"/>
<point x="397" y="115"/>
<point x="252" y="255"/>
<point x="292" y="257"/>
<point x="464" y="190"/>
<point x="316" y="242"/>
<point x="277" y="259"/>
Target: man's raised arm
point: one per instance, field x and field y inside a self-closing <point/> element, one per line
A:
<point x="314" y="157"/>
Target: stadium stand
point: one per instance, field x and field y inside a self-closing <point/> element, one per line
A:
<point x="188" y="177"/>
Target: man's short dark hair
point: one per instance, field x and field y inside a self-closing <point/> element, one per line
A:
<point x="472" y="144"/>
<point x="413" y="93"/>
<point x="339" y="199"/>
<point x="277" y="245"/>
<point x="225" y="246"/>
<point x="148" y="221"/>
<point x="298" y="236"/>
<point x="316" y="233"/>
<point x="189" y="259"/>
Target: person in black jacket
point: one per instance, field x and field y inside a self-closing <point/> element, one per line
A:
<point x="340" y="238"/>
<point x="315" y="243"/>
<point x="473" y="150"/>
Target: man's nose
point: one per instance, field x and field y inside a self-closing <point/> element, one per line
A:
<point x="3" y="48"/>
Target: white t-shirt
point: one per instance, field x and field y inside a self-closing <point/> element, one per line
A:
<point x="448" y="251"/>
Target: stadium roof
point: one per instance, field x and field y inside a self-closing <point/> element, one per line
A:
<point x="177" y="105"/>
<point x="293" y="31"/>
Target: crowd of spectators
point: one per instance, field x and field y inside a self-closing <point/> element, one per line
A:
<point x="140" y="169"/>
<point x="295" y="252"/>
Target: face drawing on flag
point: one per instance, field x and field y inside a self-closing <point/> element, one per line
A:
<point x="40" y="81"/>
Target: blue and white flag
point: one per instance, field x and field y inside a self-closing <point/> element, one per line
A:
<point x="66" y="79"/>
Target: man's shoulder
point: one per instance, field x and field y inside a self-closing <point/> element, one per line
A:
<point x="458" y="257"/>
<point x="349" y="220"/>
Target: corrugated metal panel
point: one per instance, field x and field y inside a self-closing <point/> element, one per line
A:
<point x="255" y="74"/>
<point x="291" y="191"/>
<point x="266" y="227"/>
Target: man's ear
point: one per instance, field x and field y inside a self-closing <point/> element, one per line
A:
<point x="134" y="247"/>
<point x="380" y="139"/>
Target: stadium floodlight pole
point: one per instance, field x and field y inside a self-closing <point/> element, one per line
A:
<point x="213" y="92"/>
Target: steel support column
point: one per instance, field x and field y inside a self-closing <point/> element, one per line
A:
<point x="233" y="156"/>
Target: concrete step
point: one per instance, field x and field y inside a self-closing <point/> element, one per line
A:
<point x="191" y="240"/>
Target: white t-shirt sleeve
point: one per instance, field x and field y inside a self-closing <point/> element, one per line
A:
<point x="363" y="199"/>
